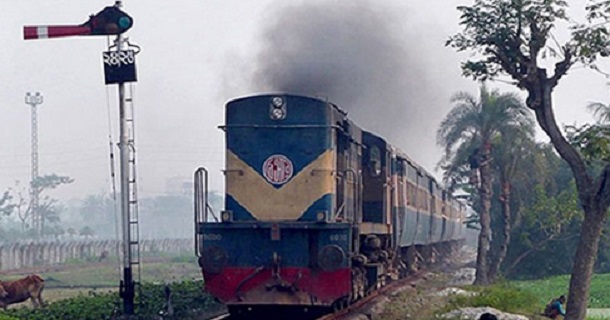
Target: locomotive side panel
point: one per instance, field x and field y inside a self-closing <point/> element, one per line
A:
<point x="348" y="167"/>
<point x="374" y="178"/>
<point x="436" y="221"/>
<point x="423" y="209"/>
<point x="460" y="221"/>
<point x="399" y="212"/>
<point x="448" y="220"/>
<point x="411" y="220"/>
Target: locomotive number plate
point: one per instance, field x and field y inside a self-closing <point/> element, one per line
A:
<point x="338" y="237"/>
<point x="212" y="236"/>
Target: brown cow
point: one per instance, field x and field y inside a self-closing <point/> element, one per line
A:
<point x="3" y="292"/>
<point x="17" y="291"/>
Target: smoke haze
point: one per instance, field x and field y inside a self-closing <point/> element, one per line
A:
<point x="364" y="58"/>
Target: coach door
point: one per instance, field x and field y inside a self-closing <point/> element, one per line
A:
<point x="373" y="184"/>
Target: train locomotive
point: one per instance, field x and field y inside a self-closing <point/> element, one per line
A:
<point x="318" y="212"/>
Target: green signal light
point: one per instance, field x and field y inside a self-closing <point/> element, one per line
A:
<point x="124" y="22"/>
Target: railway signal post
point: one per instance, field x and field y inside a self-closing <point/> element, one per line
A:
<point x="119" y="67"/>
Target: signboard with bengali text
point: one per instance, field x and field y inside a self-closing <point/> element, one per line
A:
<point x="120" y="66"/>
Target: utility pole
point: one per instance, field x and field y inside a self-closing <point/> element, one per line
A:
<point x="37" y="221"/>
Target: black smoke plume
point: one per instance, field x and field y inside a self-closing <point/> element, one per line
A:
<point x="361" y="56"/>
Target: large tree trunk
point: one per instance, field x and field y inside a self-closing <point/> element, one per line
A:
<point x="482" y="268"/>
<point x="584" y="261"/>
<point x="593" y="195"/>
<point x="499" y="257"/>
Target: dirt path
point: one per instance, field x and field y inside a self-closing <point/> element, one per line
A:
<point x="428" y="297"/>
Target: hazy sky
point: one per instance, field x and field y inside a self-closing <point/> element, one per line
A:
<point x="383" y="61"/>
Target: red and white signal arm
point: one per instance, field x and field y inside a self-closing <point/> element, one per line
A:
<point x="278" y="169"/>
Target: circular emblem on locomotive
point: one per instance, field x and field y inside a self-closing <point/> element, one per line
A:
<point x="278" y="169"/>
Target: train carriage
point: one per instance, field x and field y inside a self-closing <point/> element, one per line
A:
<point x="423" y="209"/>
<point x="317" y="211"/>
<point x="436" y="208"/>
<point x="411" y="221"/>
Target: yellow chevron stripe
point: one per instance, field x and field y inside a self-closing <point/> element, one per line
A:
<point x="288" y="202"/>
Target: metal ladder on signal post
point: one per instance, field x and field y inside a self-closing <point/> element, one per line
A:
<point x="134" y="241"/>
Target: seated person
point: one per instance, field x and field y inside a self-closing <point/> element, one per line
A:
<point x="555" y="308"/>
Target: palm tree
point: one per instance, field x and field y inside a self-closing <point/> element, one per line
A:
<point x="71" y="232"/>
<point x="471" y="124"/>
<point x="511" y="147"/>
<point x="600" y="111"/>
<point x="86" y="232"/>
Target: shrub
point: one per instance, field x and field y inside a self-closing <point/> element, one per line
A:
<point x="187" y="298"/>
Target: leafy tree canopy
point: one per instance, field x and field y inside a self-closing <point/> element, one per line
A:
<point x="509" y="36"/>
<point x="51" y="181"/>
<point x="6" y="208"/>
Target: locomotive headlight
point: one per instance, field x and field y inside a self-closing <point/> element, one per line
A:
<point x="226" y="216"/>
<point x="321" y="216"/>
<point x="277" y="113"/>
<point x="277" y="102"/>
<point x="331" y="257"/>
<point x="277" y="108"/>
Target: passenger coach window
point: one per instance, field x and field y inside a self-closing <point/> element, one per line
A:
<point x="375" y="161"/>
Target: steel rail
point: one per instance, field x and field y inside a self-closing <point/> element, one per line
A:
<point x="360" y="304"/>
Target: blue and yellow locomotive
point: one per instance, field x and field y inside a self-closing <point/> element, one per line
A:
<point x="317" y="212"/>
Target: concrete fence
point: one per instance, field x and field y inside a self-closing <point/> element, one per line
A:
<point x="31" y="254"/>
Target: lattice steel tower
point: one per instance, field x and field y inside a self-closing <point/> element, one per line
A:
<point x="34" y="100"/>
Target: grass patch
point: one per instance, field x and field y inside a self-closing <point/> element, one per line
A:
<point x="104" y="278"/>
<point x="546" y="289"/>
<point x="90" y="291"/>
<point x="109" y="274"/>
<point x="530" y="297"/>
<point x="518" y="297"/>
<point x="502" y="296"/>
<point x="52" y="295"/>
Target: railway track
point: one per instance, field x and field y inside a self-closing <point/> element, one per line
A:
<point x="356" y="308"/>
<point x="224" y="316"/>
